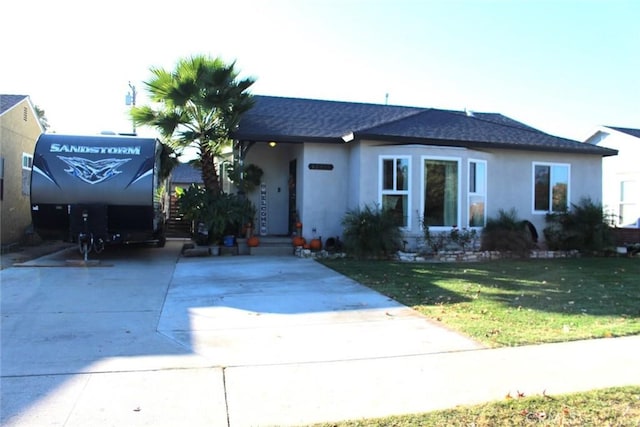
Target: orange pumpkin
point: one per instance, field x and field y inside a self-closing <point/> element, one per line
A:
<point x="298" y="241"/>
<point x="315" y="244"/>
<point x="253" y="241"/>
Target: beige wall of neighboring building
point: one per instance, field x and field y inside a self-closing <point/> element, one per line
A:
<point x="19" y="131"/>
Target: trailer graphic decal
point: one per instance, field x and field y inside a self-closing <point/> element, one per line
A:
<point x="41" y="167"/>
<point x="93" y="172"/>
<point x="146" y="169"/>
<point x="84" y="149"/>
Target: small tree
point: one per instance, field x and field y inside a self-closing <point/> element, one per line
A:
<point x="42" y="117"/>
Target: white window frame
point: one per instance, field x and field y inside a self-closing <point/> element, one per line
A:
<point x="458" y="160"/>
<point x="626" y="202"/>
<point x="395" y="192"/>
<point x="533" y="186"/>
<point x="29" y="161"/>
<point x="471" y="194"/>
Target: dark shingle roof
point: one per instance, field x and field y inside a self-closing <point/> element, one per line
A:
<point x="629" y="131"/>
<point x="298" y="120"/>
<point x="184" y="173"/>
<point x="9" y="101"/>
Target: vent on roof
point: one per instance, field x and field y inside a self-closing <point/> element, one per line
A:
<point x="468" y="112"/>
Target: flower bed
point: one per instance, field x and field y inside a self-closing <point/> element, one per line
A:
<point x="471" y="256"/>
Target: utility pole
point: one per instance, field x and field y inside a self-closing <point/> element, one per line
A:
<point x="131" y="100"/>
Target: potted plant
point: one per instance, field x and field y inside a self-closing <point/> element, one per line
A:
<point x="214" y="216"/>
<point x="205" y="213"/>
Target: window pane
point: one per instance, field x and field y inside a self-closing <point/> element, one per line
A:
<point x="402" y="172"/>
<point x="472" y="177"/>
<point x="481" y="181"/>
<point x="398" y="205"/>
<point x="441" y="193"/>
<point x="542" y="187"/>
<point x="560" y="175"/>
<point x="476" y="211"/>
<point x="387" y="174"/>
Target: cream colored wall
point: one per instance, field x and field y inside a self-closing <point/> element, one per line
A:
<point x="510" y="181"/>
<point x="274" y="162"/>
<point x="17" y="136"/>
<point x="321" y="194"/>
<point x="325" y="196"/>
<point x="325" y="193"/>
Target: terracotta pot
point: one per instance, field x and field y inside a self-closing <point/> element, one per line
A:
<point x="253" y="241"/>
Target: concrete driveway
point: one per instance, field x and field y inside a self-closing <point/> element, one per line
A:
<point x="148" y="338"/>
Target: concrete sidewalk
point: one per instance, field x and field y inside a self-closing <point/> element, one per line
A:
<point x="152" y="339"/>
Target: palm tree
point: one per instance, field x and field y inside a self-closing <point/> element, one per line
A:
<point x="41" y="117"/>
<point x="198" y="104"/>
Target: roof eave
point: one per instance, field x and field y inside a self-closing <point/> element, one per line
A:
<point x="593" y="150"/>
<point x="285" y="138"/>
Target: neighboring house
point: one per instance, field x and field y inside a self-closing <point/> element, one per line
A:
<point x="19" y="131"/>
<point x="621" y="174"/>
<point x="183" y="175"/>
<point x="453" y="168"/>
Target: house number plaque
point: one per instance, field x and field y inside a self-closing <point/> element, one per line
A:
<point x="321" y="166"/>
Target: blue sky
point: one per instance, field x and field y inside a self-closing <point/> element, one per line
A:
<point x="562" y="66"/>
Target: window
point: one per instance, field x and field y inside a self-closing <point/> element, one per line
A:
<point x="394" y="194"/>
<point x="550" y="187"/>
<point x="477" y="192"/>
<point x="441" y="192"/>
<point x="27" y="164"/>
<point x="627" y="206"/>
<point x="27" y="161"/>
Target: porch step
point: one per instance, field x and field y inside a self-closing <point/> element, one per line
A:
<point x="273" y="246"/>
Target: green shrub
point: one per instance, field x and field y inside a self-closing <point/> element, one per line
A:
<point x="507" y="233"/>
<point x="585" y="228"/>
<point x="371" y="232"/>
<point x="464" y="239"/>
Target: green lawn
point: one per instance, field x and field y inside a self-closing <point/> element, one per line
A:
<point x="514" y="302"/>
<point x="618" y="406"/>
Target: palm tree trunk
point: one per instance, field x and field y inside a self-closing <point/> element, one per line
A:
<point x="209" y="173"/>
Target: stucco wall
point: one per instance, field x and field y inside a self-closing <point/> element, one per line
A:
<point x="324" y="196"/>
<point x="510" y="181"/>
<point x="19" y="131"/>
<point x="274" y="162"/>
<point x="324" y="193"/>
